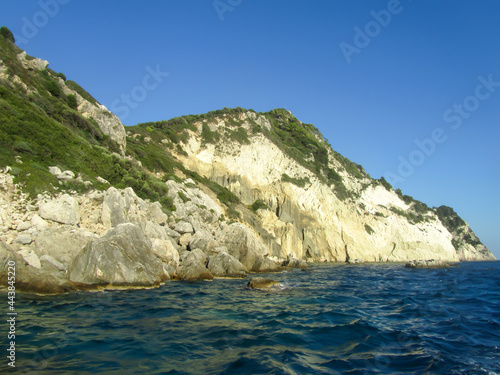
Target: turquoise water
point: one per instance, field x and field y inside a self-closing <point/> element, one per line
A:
<point x="332" y="319"/>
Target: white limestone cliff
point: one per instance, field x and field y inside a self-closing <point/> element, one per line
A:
<point x="310" y="222"/>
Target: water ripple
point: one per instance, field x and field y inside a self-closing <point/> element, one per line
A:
<point x="337" y="319"/>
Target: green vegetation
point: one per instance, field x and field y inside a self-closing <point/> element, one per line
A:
<point x="456" y="225"/>
<point x="369" y="229"/>
<point x="259" y="204"/>
<point x="300" y="182"/>
<point x="7" y="34"/>
<point x="409" y="215"/>
<point x="44" y="130"/>
<point x="72" y="103"/>
<point x="84" y="94"/>
<point x="385" y="184"/>
<point x="209" y="136"/>
<point x="449" y="218"/>
<point x="183" y="196"/>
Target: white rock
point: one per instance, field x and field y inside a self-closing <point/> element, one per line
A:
<point x="23" y="226"/>
<point x="63" y="210"/>
<point x="38" y="222"/>
<point x="66" y="176"/>
<point x="55" y="171"/>
<point x="31" y="258"/>
<point x="164" y="250"/>
<point x="24" y="239"/>
<point x="183" y="227"/>
<point x="55" y="263"/>
<point x="102" y="180"/>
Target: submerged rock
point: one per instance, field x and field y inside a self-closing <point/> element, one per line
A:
<point x="430" y="263"/>
<point x="261" y="283"/>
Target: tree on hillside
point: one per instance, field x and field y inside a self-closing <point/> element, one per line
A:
<point x="7" y="34"/>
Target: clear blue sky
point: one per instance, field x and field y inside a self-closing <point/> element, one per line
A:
<point x="371" y="94"/>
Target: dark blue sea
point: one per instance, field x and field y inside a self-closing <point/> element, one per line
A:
<point x="330" y="319"/>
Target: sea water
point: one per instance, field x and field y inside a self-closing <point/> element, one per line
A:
<point x="328" y="319"/>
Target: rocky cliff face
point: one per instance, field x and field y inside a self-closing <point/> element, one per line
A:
<point x="308" y="220"/>
<point x="240" y="192"/>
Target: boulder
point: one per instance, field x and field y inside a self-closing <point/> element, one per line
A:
<point x="243" y="244"/>
<point x="295" y="263"/>
<point x="63" y="210"/>
<point x="55" y="263"/>
<point x="62" y="244"/>
<point x="38" y="222"/>
<point x="55" y="170"/>
<point x="124" y="206"/>
<point x="66" y="176"/>
<point x="192" y="268"/>
<point x="266" y="265"/>
<point x="25" y="225"/>
<point x="31" y="258"/>
<point x="261" y="283"/>
<point x="185" y="239"/>
<point x="23" y="239"/>
<point x="183" y="227"/>
<point x="122" y="257"/>
<point x="164" y="250"/>
<point x="226" y="265"/>
<point x="205" y="242"/>
<point x="430" y="263"/>
<point x="46" y="279"/>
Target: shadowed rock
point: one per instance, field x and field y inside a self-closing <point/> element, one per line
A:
<point x="295" y="263"/>
<point x="431" y="263"/>
<point x="226" y="265"/>
<point x="266" y="265"/>
<point x="192" y="268"/>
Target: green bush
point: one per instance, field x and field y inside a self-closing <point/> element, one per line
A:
<point x="369" y="229"/>
<point x="54" y="88"/>
<point x="72" y="103"/>
<point x="385" y="184"/>
<point x="182" y="196"/>
<point x="300" y="182"/>
<point x="208" y="136"/>
<point x="24" y="147"/>
<point x="7" y="34"/>
<point x="259" y="204"/>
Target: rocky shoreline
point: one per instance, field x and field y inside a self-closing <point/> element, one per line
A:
<point x="114" y="239"/>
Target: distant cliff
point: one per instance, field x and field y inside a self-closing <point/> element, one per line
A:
<point x="234" y="191"/>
